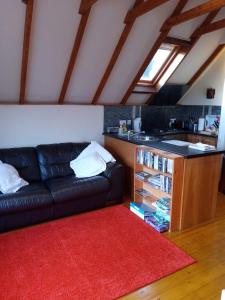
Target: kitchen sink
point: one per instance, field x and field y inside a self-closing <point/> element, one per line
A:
<point x="177" y="142"/>
<point x="143" y="138"/>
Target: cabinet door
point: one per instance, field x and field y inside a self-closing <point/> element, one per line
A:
<point x="209" y="140"/>
<point x="193" y="138"/>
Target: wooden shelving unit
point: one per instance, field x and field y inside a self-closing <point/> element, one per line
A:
<point x="175" y="177"/>
<point x="195" y="182"/>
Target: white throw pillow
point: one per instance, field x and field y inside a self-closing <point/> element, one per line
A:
<point x="10" y="181"/>
<point x="95" y="147"/>
<point x="88" y="166"/>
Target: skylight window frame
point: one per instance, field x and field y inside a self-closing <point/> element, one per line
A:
<point x="165" y="46"/>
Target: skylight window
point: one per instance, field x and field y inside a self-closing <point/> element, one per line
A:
<point x="157" y="62"/>
<point x="171" y="68"/>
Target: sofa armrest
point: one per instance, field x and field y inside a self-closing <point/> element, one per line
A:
<point x="116" y="174"/>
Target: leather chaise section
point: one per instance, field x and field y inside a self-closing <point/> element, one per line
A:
<point x="71" y="188"/>
<point x="32" y="196"/>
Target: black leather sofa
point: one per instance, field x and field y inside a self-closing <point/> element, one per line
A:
<point x="53" y="190"/>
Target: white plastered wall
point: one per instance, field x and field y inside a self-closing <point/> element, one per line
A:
<point x="213" y="77"/>
<point x="23" y="125"/>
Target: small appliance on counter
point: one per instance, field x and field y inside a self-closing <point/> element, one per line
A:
<point x="201" y="124"/>
<point x="137" y="124"/>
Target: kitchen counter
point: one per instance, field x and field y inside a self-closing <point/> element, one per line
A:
<point x="158" y="144"/>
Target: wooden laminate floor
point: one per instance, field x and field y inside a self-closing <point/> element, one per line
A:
<point x="202" y="280"/>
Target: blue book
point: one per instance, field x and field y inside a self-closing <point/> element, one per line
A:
<point x="140" y="209"/>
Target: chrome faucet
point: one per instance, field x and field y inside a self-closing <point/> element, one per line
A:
<point x="130" y="134"/>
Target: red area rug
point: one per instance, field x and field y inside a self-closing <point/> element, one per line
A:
<point x="98" y="255"/>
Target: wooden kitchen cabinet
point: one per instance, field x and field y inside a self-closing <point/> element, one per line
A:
<point x="194" y="138"/>
<point x="125" y="153"/>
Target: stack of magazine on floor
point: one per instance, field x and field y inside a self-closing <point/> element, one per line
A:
<point x="159" y="218"/>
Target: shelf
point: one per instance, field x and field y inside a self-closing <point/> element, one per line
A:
<point x="147" y="186"/>
<point x="151" y="170"/>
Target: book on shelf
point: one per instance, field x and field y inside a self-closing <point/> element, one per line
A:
<point x="154" y="161"/>
<point x="142" y="175"/>
<point x="142" y="192"/>
<point x="165" y="184"/>
<point x="140" y="209"/>
<point x="163" y="203"/>
<point x="154" y="181"/>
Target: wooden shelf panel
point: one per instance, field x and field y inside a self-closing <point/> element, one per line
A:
<point x="160" y="152"/>
<point x="155" y="192"/>
<point x="151" y="171"/>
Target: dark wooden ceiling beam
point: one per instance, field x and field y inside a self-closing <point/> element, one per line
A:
<point x="142" y="9"/>
<point x="214" y="26"/>
<point x="86" y="5"/>
<point x="211" y="58"/>
<point x="194" y="12"/>
<point x="85" y="12"/>
<point x="177" y="42"/>
<point x="114" y="57"/>
<point x="198" y="31"/>
<point x="151" y="54"/>
<point x="26" y="47"/>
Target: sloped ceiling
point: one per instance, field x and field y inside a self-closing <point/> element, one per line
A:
<point x="54" y="27"/>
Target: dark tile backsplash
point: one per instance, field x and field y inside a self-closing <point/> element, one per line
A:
<point x="157" y="116"/>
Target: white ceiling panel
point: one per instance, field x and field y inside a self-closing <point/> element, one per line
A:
<point x="12" y="16"/>
<point x="103" y="31"/>
<point x="141" y="39"/>
<point x="137" y="99"/>
<point x="198" y="55"/>
<point x="55" y="23"/>
<point x="220" y="15"/>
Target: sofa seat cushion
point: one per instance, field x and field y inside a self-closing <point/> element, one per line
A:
<point x="71" y="188"/>
<point x="32" y="196"/>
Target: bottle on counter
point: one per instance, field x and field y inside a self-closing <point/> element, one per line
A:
<point x="120" y="132"/>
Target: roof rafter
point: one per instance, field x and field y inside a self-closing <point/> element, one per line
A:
<point x="26" y="47"/>
<point x="114" y="57"/>
<point x="198" y="32"/>
<point x="85" y="9"/>
<point x="85" y="5"/>
<point x="214" y="26"/>
<point x="151" y="54"/>
<point x="143" y="8"/>
<point x="205" y="65"/>
<point x="177" y="42"/>
<point x="193" y="13"/>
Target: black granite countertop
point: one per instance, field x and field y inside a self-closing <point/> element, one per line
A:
<point x="158" y="144"/>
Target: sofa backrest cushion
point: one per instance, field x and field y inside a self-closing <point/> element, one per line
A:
<point x="54" y="159"/>
<point x="24" y="160"/>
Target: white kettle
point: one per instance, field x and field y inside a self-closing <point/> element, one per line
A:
<point x="137" y="124"/>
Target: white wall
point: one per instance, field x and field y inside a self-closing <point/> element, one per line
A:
<point x="36" y="124"/>
<point x="213" y="77"/>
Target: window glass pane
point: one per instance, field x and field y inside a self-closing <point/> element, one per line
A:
<point x="156" y="64"/>
<point x="171" y="68"/>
